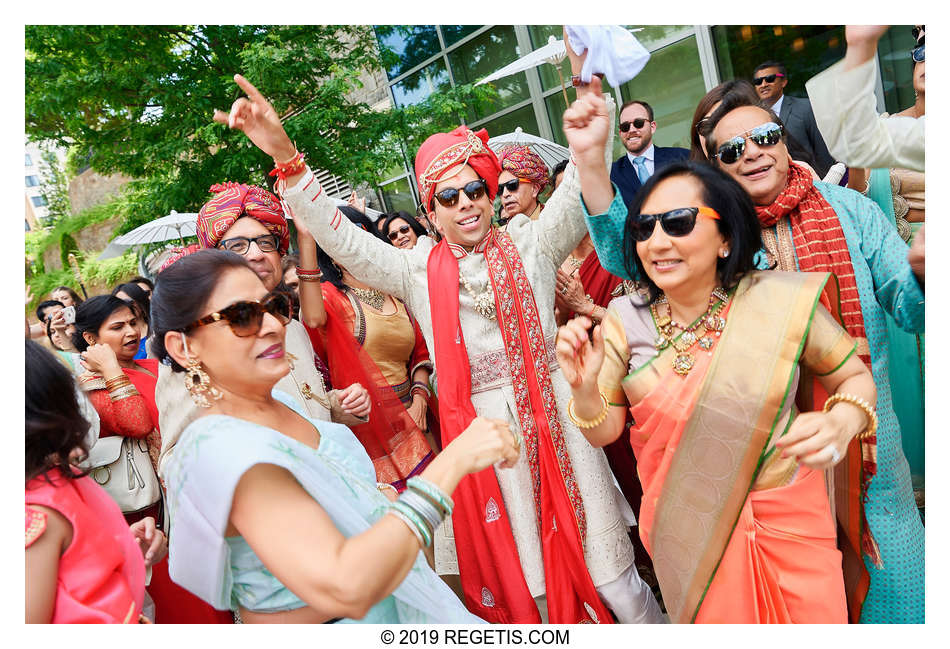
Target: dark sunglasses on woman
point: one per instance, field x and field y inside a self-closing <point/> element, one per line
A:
<point x="394" y="234"/>
<point x="918" y="54"/>
<point x="246" y="317"/>
<point x="449" y="197"/>
<point x="637" y="124"/>
<point x="769" y="78"/>
<point x="676" y="223"/>
<point x="768" y="134"/>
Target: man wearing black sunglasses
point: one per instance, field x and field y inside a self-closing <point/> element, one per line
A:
<point x="845" y="104"/>
<point x="484" y="300"/>
<point x="769" y="79"/>
<point x="642" y="158"/>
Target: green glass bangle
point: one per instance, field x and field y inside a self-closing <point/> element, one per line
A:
<point x="414" y="516"/>
<point x="432" y="492"/>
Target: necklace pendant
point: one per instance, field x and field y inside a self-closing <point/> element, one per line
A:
<point x="706" y="343"/>
<point x="485" y="305"/>
<point x="660" y="343"/>
<point x="715" y="323"/>
<point x="683" y="363"/>
<point x="688" y="338"/>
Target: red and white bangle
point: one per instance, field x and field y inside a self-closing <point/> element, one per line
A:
<point x="421" y="388"/>
<point x="308" y="275"/>
<point x="292" y="167"/>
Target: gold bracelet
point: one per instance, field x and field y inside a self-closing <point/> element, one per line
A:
<point x="860" y="403"/>
<point x="589" y="423"/>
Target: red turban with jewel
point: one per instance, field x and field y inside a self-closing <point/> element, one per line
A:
<point x="232" y="201"/>
<point x="442" y="151"/>
<point x="524" y="163"/>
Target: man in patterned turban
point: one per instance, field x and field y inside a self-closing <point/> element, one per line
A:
<point x="250" y="221"/>
<point x="523" y="177"/>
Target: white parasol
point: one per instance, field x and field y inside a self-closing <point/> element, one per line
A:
<point x="167" y="228"/>
<point x="551" y="152"/>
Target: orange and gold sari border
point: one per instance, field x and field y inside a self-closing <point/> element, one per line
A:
<point x="778" y="307"/>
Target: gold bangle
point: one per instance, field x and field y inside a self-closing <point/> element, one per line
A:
<point x="589" y="423"/>
<point x="860" y="403"/>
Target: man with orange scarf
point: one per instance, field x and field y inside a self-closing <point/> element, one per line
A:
<point x="813" y="226"/>
<point x="547" y="535"/>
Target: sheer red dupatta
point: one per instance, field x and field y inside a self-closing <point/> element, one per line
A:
<point x="391" y="438"/>
<point x="492" y="579"/>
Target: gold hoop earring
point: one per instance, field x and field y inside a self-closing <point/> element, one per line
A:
<point x="198" y="383"/>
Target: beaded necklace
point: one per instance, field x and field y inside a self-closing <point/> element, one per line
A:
<point x="705" y="330"/>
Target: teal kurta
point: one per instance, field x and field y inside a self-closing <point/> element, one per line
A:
<point x="886" y="285"/>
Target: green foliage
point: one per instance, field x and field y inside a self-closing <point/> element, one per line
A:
<point x="37" y="242"/>
<point x="55" y="187"/>
<point x="138" y="100"/>
<point x="103" y="274"/>
<point x="67" y="245"/>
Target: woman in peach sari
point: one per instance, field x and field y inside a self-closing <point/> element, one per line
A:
<point x="735" y="511"/>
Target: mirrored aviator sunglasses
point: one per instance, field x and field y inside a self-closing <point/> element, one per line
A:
<point x="449" y="197"/>
<point x="918" y="54"/>
<point x="675" y="223"/>
<point x="246" y="317"/>
<point x="768" y="134"/>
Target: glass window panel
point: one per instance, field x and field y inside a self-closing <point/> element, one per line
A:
<point x="554" y="105"/>
<point x="454" y="33"/>
<point x="29" y="160"/>
<point x="897" y="68"/>
<point x="485" y="54"/>
<point x="398" y="196"/>
<point x="672" y="83"/>
<point x="805" y="50"/>
<point x="38" y="201"/>
<point x="507" y="123"/>
<point x="549" y="77"/>
<point x="652" y="36"/>
<point x="32" y="181"/>
<point x="418" y="86"/>
<point x="413" y="44"/>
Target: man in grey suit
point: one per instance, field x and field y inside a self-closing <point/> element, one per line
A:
<point x="769" y="79"/>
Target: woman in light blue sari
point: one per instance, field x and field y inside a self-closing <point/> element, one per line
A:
<point x="276" y="516"/>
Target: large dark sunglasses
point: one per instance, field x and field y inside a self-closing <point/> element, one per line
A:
<point x="769" y="78"/>
<point x="511" y="185"/>
<point x="676" y="223"/>
<point x="918" y="54"/>
<point x="768" y="134"/>
<point x="394" y="234"/>
<point x="246" y="317"/>
<point x="637" y="124"/>
<point x="449" y="197"/>
<point x="240" y="245"/>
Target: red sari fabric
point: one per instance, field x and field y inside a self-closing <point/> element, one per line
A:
<point x="101" y="575"/>
<point x="391" y="438"/>
<point x="490" y="571"/>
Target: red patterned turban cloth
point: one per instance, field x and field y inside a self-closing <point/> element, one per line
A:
<point x="524" y="163"/>
<point x="442" y="151"/>
<point x="232" y="201"/>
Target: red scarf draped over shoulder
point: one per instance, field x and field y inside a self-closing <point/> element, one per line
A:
<point x="489" y="567"/>
<point x="391" y="438"/>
